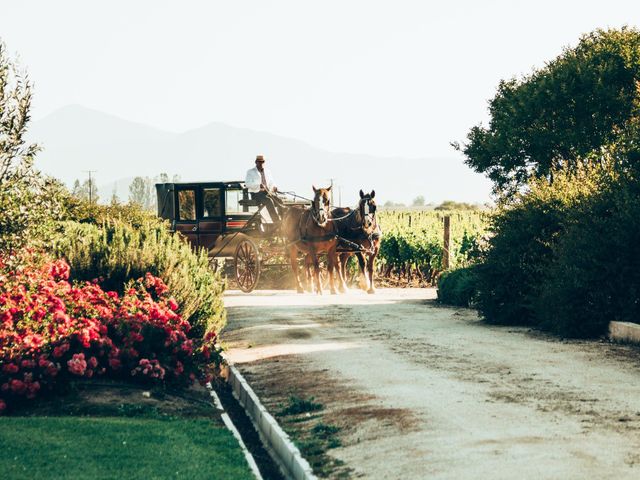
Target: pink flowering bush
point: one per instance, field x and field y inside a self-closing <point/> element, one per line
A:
<point x="52" y="331"/>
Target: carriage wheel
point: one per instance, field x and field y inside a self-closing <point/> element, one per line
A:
<point x="247" y="260"/>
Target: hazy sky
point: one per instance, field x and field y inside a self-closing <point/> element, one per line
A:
<point x="379" y="77"/>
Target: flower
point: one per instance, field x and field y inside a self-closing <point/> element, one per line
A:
<point x="149" y="368"/>
<point x="51" y="331"/>
<point x="33" y="341"/>
<point x="173" y="305"/>
<point x="10" y="368"/>
<point x="17" y="386"/>
<point x="59" y="270"/>
<point x="60" y="350"/>
<point x="77" y="365"/>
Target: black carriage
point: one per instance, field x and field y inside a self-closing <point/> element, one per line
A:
<point x="222" y="218"/>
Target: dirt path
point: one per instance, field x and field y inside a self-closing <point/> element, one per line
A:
<point x="422" y="391"/>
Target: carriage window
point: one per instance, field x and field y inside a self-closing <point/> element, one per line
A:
<point x="211" y="202"/>
<point x="234" y="203"/>
<point x="186" y="205"/>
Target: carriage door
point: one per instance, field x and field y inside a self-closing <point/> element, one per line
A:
<point x="237" y="212"/>
<point x="210" y="223"/>
<point x="186" y="220"/>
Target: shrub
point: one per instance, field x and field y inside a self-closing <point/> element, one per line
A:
<point x="521" y="248"/>
<point x="595" y="277"/>
<point x="51" y="332"/>
<point x="458" y="287"/>
<point x="30" y="207"/>
<point x="116" y="252"/>
<point x="564" y="257"/>
<point x="83" y="211"/>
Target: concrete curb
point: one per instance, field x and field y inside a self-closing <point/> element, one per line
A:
<point x="624" y="332"/>
<point x="232" y="428"/>
<point x="276" y="441"/>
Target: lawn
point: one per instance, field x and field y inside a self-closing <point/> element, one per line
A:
<point x="123" y="440"/>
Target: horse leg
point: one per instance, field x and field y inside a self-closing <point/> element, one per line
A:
<point x="332" y="263"/>
<point x="308" y="264"/>
<point x="341" y="269"/>
<point x="364" y="282"/>
<point x="344" y="287"/>
<point x="344" y="260"/>
<point x="293" y="256"/>
<point x="370" y="266"/>
<point x="316" y="272"/>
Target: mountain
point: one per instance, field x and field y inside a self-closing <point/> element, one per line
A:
<point x="76" y="139"/>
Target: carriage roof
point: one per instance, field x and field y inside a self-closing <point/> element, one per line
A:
<point x="166" y="193"/>
<point x="234" y="184"/>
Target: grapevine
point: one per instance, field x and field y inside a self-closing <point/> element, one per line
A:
<point x="413" y="242"/>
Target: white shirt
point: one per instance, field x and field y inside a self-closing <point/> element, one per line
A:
<point x="254" y="179"/>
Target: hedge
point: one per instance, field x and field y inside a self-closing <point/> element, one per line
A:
<point x="458" y="287"/>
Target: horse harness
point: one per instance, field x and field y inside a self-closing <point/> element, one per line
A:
<point x="324" y="238"/>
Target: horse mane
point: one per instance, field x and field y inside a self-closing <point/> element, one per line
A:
<point x="349" y="226"/>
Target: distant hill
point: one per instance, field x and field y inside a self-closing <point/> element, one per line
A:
<point x="76" y="139"/>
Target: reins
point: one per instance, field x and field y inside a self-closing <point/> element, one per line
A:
<point x="360" y="227"/>
<point x="341" y="218"/>
<point x="310" y="214"/>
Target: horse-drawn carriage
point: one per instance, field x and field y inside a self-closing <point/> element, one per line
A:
<point x="222" y="218"/>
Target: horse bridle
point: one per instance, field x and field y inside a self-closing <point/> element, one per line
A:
<point x="364" y="210"/>
<point x="316" y="206"/>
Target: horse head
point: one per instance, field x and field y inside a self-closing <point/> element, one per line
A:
<point x="367" y="210"/>
<point x="321" y="205"/>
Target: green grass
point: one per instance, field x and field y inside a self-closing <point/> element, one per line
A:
<point x="115" y="447"/>
<point x="297" y="405"/>
<point x="301" y="419"/>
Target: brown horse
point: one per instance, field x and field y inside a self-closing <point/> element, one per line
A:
<point x="311" y="232"/>
<point x="360" y="228"/>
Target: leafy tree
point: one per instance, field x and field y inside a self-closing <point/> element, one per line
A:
<point x="77" y="190"/>
<point x="579" y="102"/>
<point x="86" y="190"/>
<point x="16" y="157"/>
<point x="139" y="192"/>
<point x="142" y="190"/>
<point x="452" y="205"/>
<point x="28" y="200"/>
<point x="392" y="204"/>
<point x="114" y="197"/>
<point x="419" y="201"/>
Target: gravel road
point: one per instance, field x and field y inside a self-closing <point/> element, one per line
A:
<point x="422" y="391"/>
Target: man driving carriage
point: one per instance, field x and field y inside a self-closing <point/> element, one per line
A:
<point x="260" y="184"/>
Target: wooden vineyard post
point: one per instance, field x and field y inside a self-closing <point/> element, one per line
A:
<point x="447" y="242"/>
